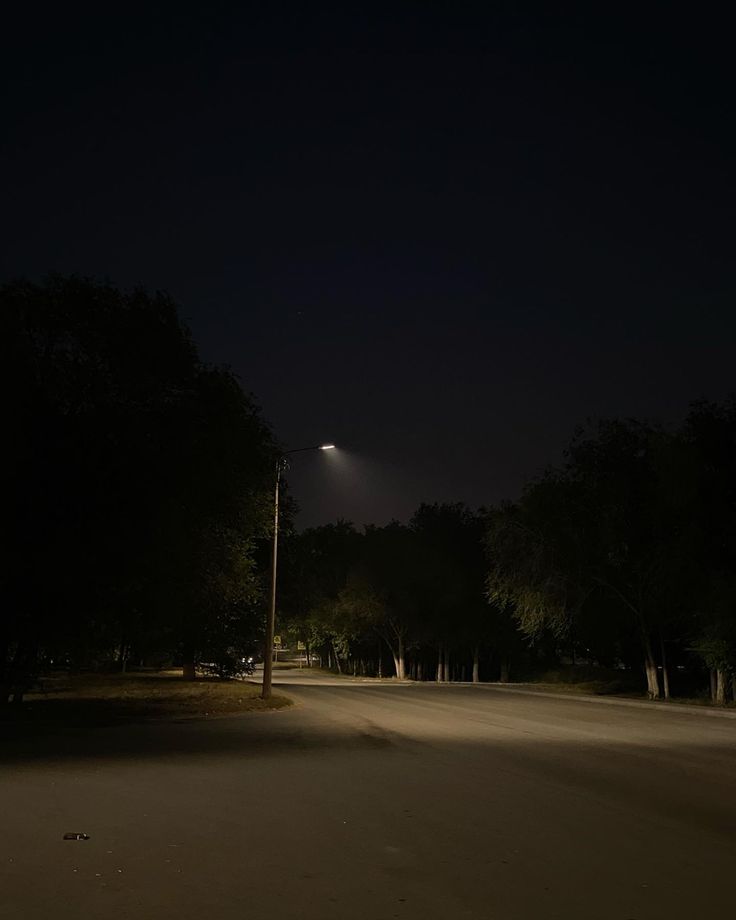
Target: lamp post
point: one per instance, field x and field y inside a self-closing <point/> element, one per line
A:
<point x="281" y="465"/>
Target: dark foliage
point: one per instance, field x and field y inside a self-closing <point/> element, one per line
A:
<point x="139" y="483"/>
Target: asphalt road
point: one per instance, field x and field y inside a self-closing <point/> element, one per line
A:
<point x="378" y="801"/>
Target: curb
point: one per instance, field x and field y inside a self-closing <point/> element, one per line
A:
<point x="650" y="705"/>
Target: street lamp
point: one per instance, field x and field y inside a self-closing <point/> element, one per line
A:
<point x="281" y="465"/>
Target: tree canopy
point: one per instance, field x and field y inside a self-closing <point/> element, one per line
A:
<point x="620" y="559"/>
<point x="140" y="483"/>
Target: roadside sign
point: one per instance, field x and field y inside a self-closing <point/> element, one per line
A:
<point x="277" y="641"/>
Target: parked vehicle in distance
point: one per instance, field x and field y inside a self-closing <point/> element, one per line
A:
<point x="229" y="667"/>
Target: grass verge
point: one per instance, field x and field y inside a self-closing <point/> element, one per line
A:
<point x="112" y="698"/>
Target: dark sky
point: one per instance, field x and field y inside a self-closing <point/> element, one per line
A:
<point x="440" y="237"/>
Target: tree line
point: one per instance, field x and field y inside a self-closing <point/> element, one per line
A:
<point x="139" y="491"/>
<point x="621" y="560"/>
<point x="139" y="508"/>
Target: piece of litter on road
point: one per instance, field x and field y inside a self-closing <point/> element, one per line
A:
<point x="76" y="836"/>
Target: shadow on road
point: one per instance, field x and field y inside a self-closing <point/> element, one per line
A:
<point x="581" y="751"/>
<point x="97" y="731"/>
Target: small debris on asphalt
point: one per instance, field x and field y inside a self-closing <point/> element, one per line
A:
<point x="76" y="836"/>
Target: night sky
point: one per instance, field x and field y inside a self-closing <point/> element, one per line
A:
<point x="440" y="237"/>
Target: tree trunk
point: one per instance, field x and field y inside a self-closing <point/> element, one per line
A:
<point x="476" y="665"/>
<point x="665" y="672"/>
<point x="20" y="671"/>
<point x="712" y="685"/>
<point x="188" y="671"/>
<point x="4" y="672"/>
<point x="505" y="670"/>
<point x="720" y="687"/>
<point x="309" y="654"/>
<point x="337" y="659"/>
<point x="440" y="672"/>
<point x="448" y="676"/>
<point x="650" y="668"/>
<point x="400" y="663"/>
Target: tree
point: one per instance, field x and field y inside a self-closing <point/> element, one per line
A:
<point x="453" y="614"/>
<point x="134" y="467"/>
<point x="221" y="506"/>
<point x="709" y="434"/>
<point x="313" y="571"/>
<point x="380" y="591"/>
<point x="612" y="529"/>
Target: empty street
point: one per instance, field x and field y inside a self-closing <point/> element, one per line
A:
<point x="377" y="800"/>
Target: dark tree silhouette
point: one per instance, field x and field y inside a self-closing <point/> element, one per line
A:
<point x="139" y="481"/>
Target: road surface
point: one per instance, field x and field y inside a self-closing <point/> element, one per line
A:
<point x="378" y="801"/>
